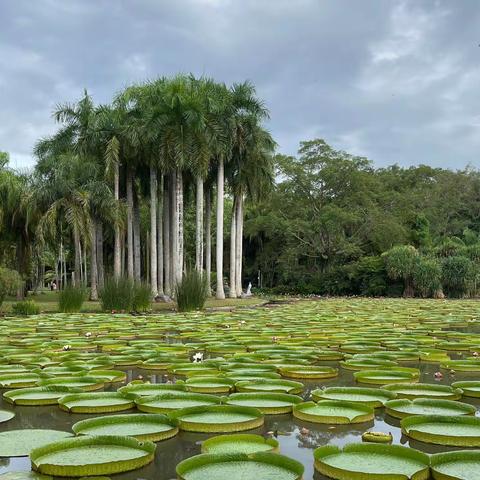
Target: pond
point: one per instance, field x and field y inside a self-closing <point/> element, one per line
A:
<point x="288" y="335"/>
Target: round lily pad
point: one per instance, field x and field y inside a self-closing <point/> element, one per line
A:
<point x="19" y="380"/>
<point x="97" y="402"/>
<point x="149" y="389"/>
<point x="218" y="418"/>
<point x="333" y="412"/>
<point x="89" y="456"/>
<point x="270" y="385"/>
<point x="470" y="388"/>
<point x="38" y="395"/>
<point x="458" y="465"/>
<point x="307" y="372"/>
<point x="373" y="397"/>
<point x="5" y="416"/>
<point x="24" y="476"/>
<point x="384" y="377"/>
<point x="18" y="443"/>
<point x="404" y="407"/>
<point x="425" y="390"/>
<point x="143" y="427"/>
<point x="208" y="384"/>
<point x="167" y="402"/>
<point x="371" y="461"/>
<point x="85" y="383"/>
<point x="267" y="403"/>
<point x="239" y="443"/>
<point x="265" y="466"/>
<point x="457" y="431"/>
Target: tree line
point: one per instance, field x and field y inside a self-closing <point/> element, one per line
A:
<point x="111" y="189"/>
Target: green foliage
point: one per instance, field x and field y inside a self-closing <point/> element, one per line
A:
<point x="123" y="295"/>
<point x="71" y="298"/>
<point x="427" y="276"/>
<point x="142" y="297"/>
<point x="457" y="275"/>
<point x="26" y="307"/>
<point x="10" y="281"/>
<point x="192" y="292"/>
<point x="400" y="263"/>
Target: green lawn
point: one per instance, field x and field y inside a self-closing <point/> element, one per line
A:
<point x="48" y="302"/>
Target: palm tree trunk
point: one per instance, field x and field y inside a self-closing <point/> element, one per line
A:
<point x="199" y="226"/>
<point x="208" y="238"/>
<point x="153" y="230"/>
<point x="219" y="264"/>
<point x="85" y="269"/>
<point x="233" y="251"/>
<point x="160" y="240"/>
<point x="137" y="254"/>
<point x="78" y="260"/>
<point x="100" y="265"/>
<point x="166" y="238"/>
<point x="239" y="245"/>
<point x="179" y="213"/>
<point x="117" y="262"/>
<point x="129" y="224"/>
<point x="174" y="231"/>
<point x="93" y="262"/>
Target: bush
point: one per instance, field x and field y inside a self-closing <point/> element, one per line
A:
<point x="124" y="295"/>
<point x="457" y="276"/>
<point x="427" y="277"/>
<point x="142" y="297"/>
<point x="27" y="307"/>
<point x="192" y="292"/>
<point x="10" y="281"/>
<point x="71" y="299"/>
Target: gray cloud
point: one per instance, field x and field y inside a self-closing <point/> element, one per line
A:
<point x="393" y="80"/>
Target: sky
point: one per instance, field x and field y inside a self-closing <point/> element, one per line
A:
<point x="396" y="81"/>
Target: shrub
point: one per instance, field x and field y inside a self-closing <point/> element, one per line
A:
<point x="10" y="281"/>
<point x="27" y="307"/>
<point x="192" y="292"/>
<point x="124" y="295"/>
<point x="457" y="275"/>
<point x="71" y="299"/>
<point x="400" y="262"/>
<point x="427" y="277"/>
<point x="142" y="297"/>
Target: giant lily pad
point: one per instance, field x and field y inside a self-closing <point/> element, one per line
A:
<point x="383" y="377"/>
<point x="218" y="418"/>
<point x="265" y="466"/>
<point x="209" y="384"/>
<point x="426" y="406"/>
<point x="270" y="385"/>
<point x="166" y="402"/>
<point x="89" y="456"/>
<point x="149" y="389"/>
<point x="425" y="390"/>
<point x="239" y="443"/>
<point x="85" y="383"/>
<point x="333" y="412"/>
<point x="18" y="443"/>
<point x="307" y="372"/>
<point x="38" y="395"/>
<point x="267" y="403"/>
<point x="458" y="431"/>
<point x="459" y="465"/>
<point x="19" y="380"/>
<point x="97" y="402"/>
<point x="470" y="388"/>
<point x="143" y="427"/>
<point x="372" y="397"/>
<point x="5" y="416"/>
<point x="372" y="461"/>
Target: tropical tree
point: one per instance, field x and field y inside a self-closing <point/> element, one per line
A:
<point x="400" y="262"/>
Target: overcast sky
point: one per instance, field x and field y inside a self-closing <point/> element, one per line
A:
<point x="395" y="80"/>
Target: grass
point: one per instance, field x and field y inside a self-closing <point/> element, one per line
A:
<point x="48" y="303"/>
